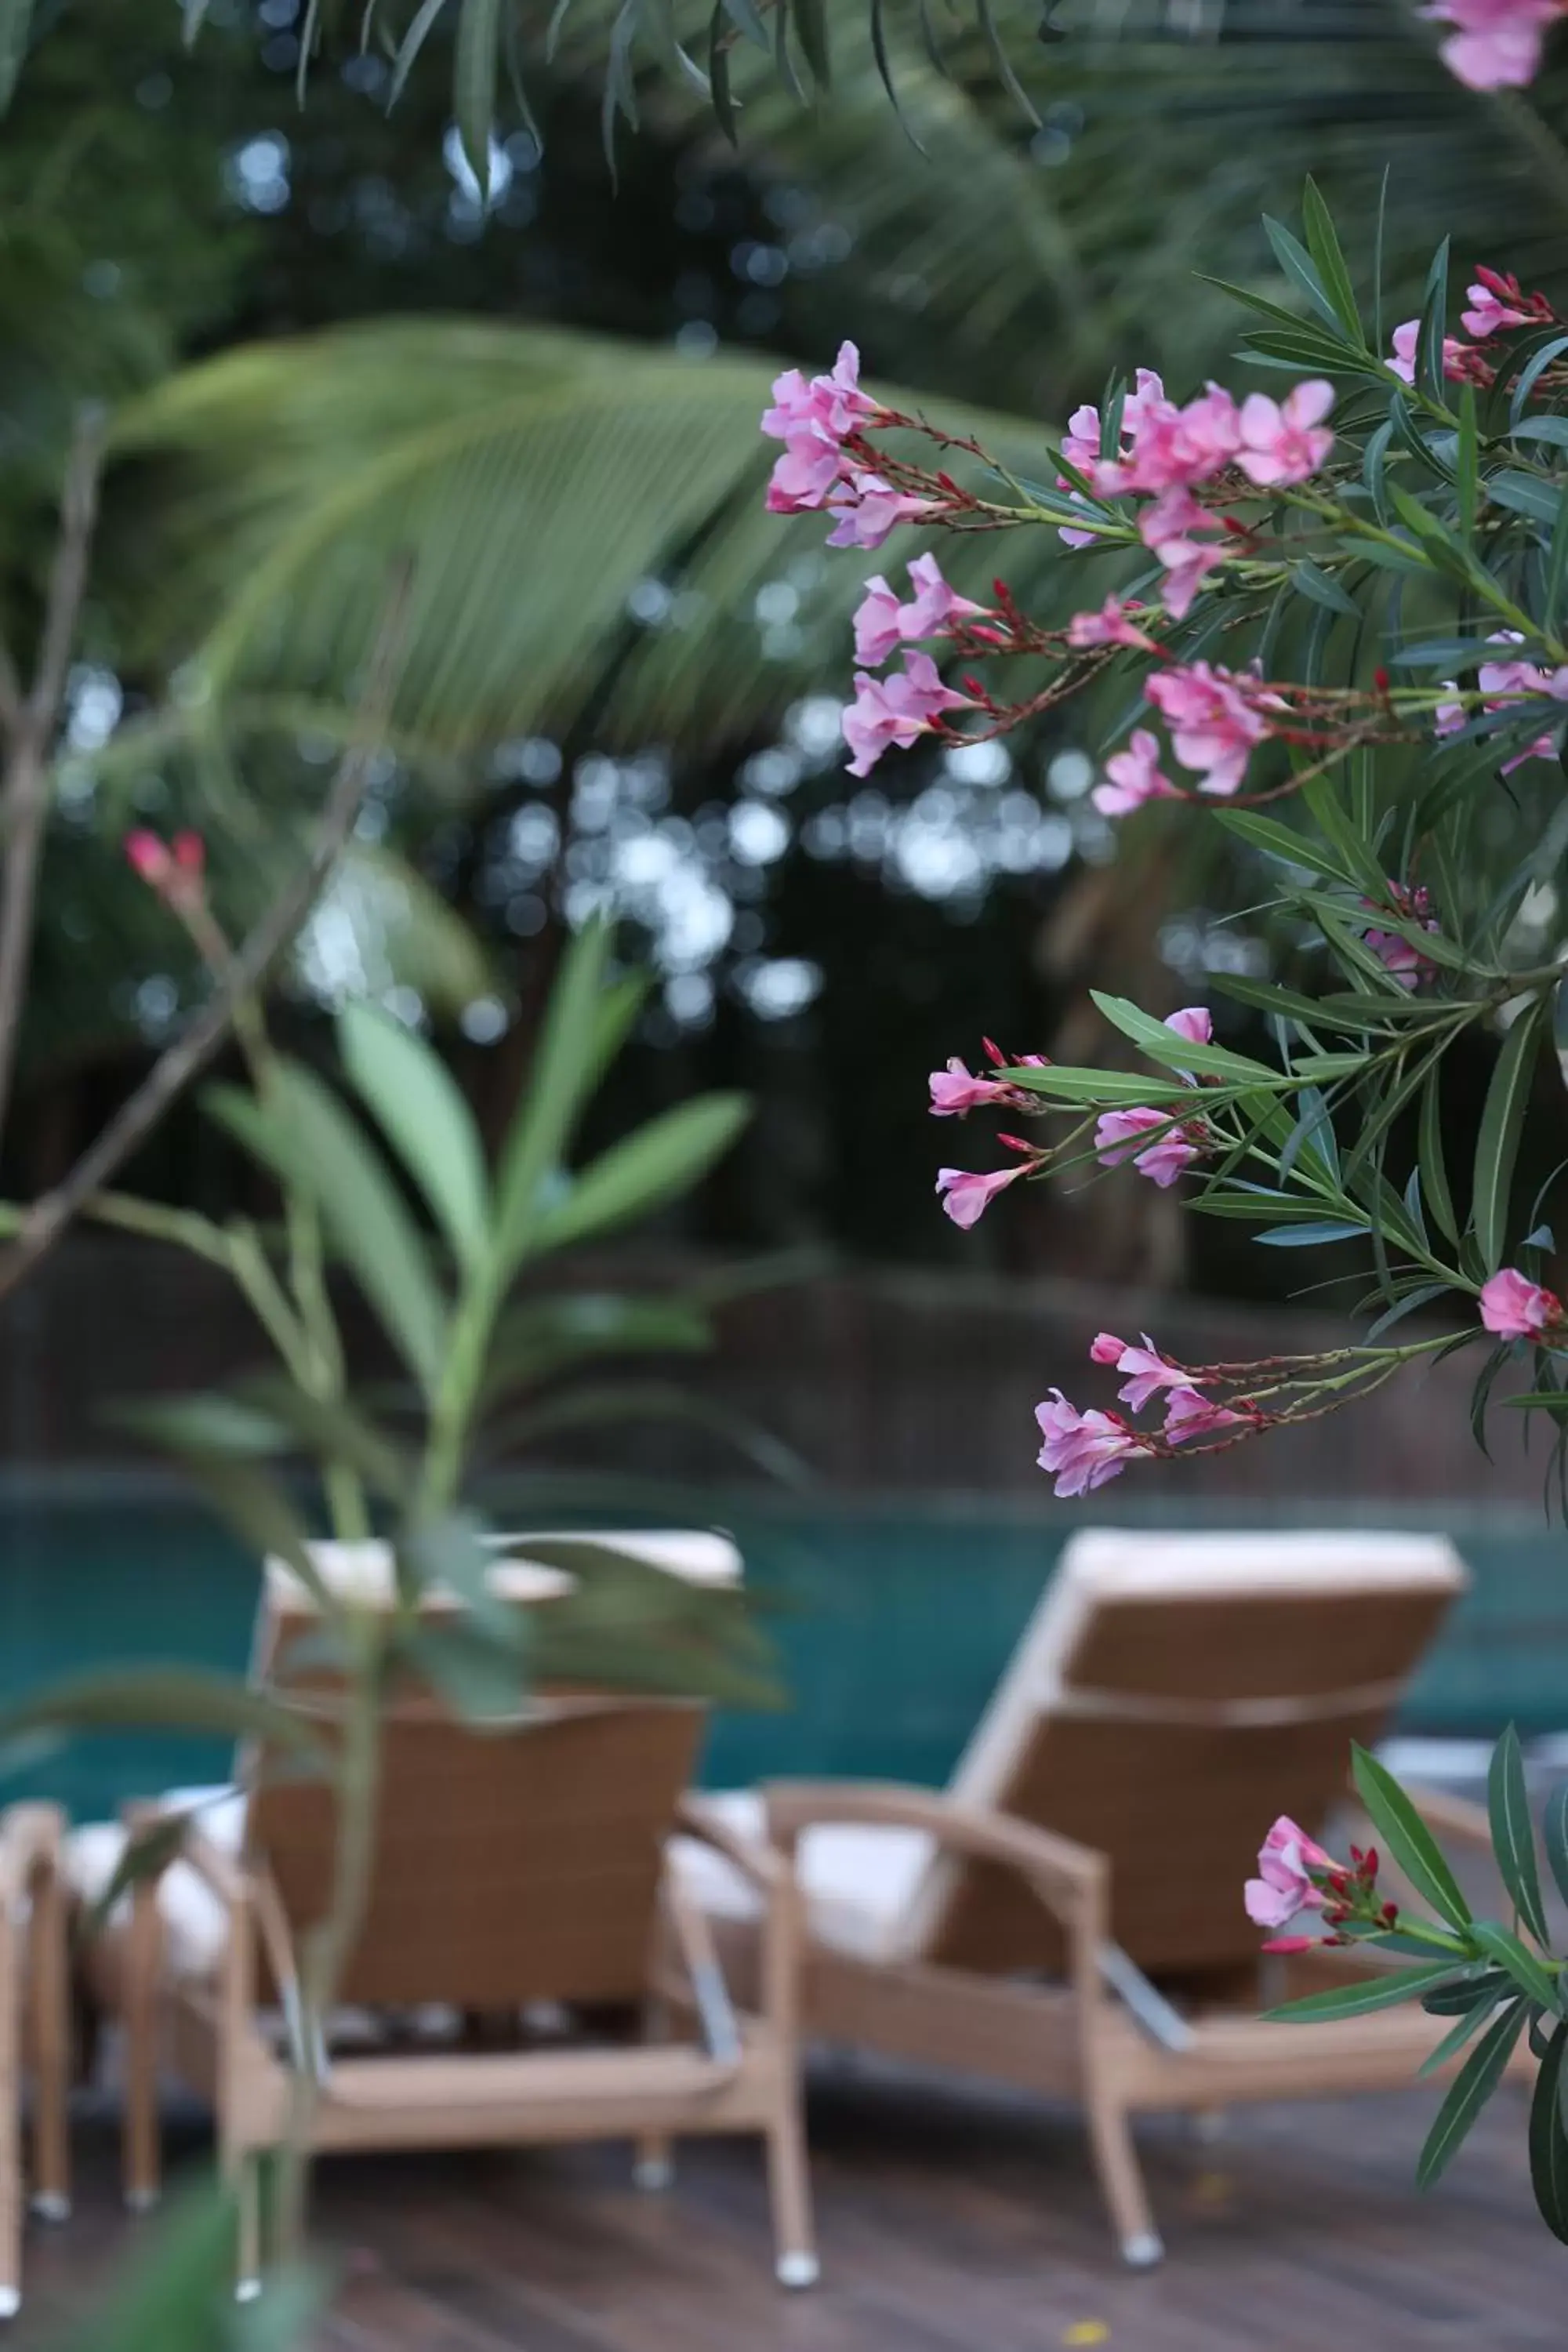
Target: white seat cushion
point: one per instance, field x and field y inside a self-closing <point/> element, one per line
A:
<point x="857" y="1879"/>
<point x="194" y="1919"/>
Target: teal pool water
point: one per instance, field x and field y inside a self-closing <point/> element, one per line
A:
<point x="892" y="1621"/>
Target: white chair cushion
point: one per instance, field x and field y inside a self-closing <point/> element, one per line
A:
<point x="194" y="1923"/>
<point x="858" y="1878"/>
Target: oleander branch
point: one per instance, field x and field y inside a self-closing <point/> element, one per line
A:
<point x="48" y="1218"/>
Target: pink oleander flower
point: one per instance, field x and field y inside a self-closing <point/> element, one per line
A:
<point x="831" y="404"/>
<point x="1134" y="777"/>
<point x="1514" y="1308"/>
<point x="965" y="1196"/>
<point x="804" y="479"/>
<point x="1214" y="719"/>
<point x="1107" y="1348"/>
<point x="1189" y="1414"/>
<point x="1080" y="445"/>
<point x="956" y="1090"/>
<point x="1504" y="681"/>
<point x="1194" y="1023"/>
<point x="1283" y="1888"/>
<point x="878" y="629"/>
<point x="1166" y="528"/>
<point x="1498" y="302"/>
<point x="1459" y="361"/>
<point x="897" y="710"/>
<point x="866" y="508"/>
<point x="882" y="624"/>
<point x="934" y="607"/>
<point x="1082" y="1450"/>
<point x="1403" y="957"/>
<point x="1148" y="1372"/>
<point x="1112" y="625"/>
<point x="1116" y="1137"/>
<point x="1494" y="44"/>
<point x="1289" y="443"/>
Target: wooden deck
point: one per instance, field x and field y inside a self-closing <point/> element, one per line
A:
<point x="951" y="2221"/>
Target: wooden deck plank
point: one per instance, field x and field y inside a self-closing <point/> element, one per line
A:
<point x="951" y="2221"/>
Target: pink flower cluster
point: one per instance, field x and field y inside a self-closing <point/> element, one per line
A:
<point x="1167" y="1147"/>
<point x="1168" y="452"/>
<point x="1082" y="1450"/>
<point x="1494" y="44"/>
<point x="897" y="710"/>
<point x="816" y="421"/>
<point x="1402" y="956"/>
<point x="1497" y="303"/>
<point x="1216" y="717"/>
<point x="1504" y="682"/>
<point x="1514" y="1308"/>
<point x="957" y="1090"/>
<point x="882" y="624"/>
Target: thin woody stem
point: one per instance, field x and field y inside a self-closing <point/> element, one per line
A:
<point x="49" y="1217"/>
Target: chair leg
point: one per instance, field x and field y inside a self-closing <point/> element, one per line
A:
<point x="245" y="2171"/>
<point x="51" y="2053"/>
<point x="1121" y="2180"/>
<point x="139" y="2150"/>
<point x="789" y="2194"/>
<point x="652" y="2167"/>
<point x="10" y="2129"/>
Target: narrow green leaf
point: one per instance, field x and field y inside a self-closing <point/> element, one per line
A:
<point x="657" y="1164"/>
<point x="1477" y="2079"/>
<point x="1430" y="1156"/>
<point x="1525" y="494"/>
<point x="1466" y="464"/>
<point x="419" y="28"/>
<point x="1554" y="1836"/>
<point x="1320" y="587"/>
<point x="1384" y="1990"/>
<point x="163" y="1698"/>
<point x="811" y="31"/>
<point x="1549" y="2140"/>
<point x="1531" y="374"/>
<point x="1162" y="1044"/>
<point x="410" y="1092"/>
<point x="719" y="75"/>
<point x="1321" y="797"/>
<point x="1003" y="64"/>
<point x="1408" y="1837"/>
<point x="1497" y="1141"/>
<point x="1301" y="271"/>
<point x="1453" y="2041"/>
<point x="474" y="84"/>
<point x="1503" y="1946"/>
<point x="1323" y="245"/>
<point x="1513" y="1834"/>
<point x="562" y="1074"/>
<point x="313" y="1144"/>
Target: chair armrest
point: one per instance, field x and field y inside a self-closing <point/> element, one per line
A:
<point x="1064" y="1874"/>
<point x="760" y="1864"/>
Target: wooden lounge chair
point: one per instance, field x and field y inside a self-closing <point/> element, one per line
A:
<point x="1067" y="1916"/>
<point x="34" y="2030"/>
<point x="522" y="1864"/>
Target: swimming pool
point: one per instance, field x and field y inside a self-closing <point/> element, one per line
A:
<point x="892" y="1618"/>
